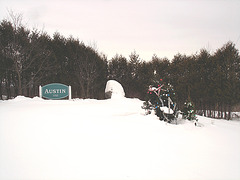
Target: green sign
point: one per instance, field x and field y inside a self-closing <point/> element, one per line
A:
<point x="55" y="91"/>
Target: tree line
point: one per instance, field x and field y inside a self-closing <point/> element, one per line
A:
<point x="29" y="58"/>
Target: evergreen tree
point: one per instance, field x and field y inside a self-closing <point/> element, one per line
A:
<point x="202" y="88"/>
<point x="118" y="69"/>
<point x="225" y="77"/>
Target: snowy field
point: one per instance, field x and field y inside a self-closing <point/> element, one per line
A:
<point x="111" y="140"/>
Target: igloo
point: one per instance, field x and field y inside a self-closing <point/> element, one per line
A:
<point x="114" y="90"/>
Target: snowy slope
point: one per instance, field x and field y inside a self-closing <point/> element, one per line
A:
<point x="111" y="139"/>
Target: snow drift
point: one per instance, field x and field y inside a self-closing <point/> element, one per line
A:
<point x="111" y="140"/>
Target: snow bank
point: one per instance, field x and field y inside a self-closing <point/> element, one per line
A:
<point x="166" y="110"/>
<point x="111" y="139"/>
<point x="114" y="90"/>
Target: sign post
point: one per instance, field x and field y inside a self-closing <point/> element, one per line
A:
<point x="55" y="91"/>
<point x="69" y="92"/>
<point x="40" y="91"/>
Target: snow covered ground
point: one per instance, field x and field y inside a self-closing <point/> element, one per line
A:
<point x="111" y="140"/>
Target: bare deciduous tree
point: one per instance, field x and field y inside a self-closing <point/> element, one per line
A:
<point x="26" y="52"/>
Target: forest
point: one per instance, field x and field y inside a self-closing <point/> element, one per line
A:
<point x="29" y="58"/>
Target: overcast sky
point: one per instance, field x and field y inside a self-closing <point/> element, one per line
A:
<point x="161" y="27"/>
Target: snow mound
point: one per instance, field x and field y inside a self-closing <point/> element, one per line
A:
<point x="166" y="110"/>
<point x="114" y="90"/>
<point x="20" y="98"/>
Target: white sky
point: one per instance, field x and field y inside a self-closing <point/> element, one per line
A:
<point x="161" y="27"/>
